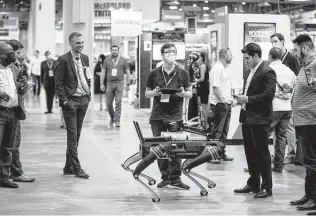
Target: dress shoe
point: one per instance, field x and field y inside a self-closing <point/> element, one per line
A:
<point x="263" y="193"/>
<point x="311" y="213"/>
<point x="69" y="171"/>
<point x="23" y="178"/>
<point x="8" y="183"/>
<point x="80" y="173"/>
<point x="278" y="170"/>
<point x="247" y="189"/>
<point x="301" y="201"/>
<point x="309" y="205"/>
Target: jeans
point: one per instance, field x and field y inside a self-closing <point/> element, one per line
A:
<point x="114" y="90"/>
<point x="16" y="166"/>
<point x="307" y="140"/>
<point x="221" y="120"/>
<point x="8" y="127"/>
<point x="37" y="81"/>
<point x="74" y="113"/>
<point x="280" y="123"/>
<point x="170" y="170"/>
<point x="291" y="139"/>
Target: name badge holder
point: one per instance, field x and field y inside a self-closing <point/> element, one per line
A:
<point x="114" y="70"/>
<point x="50" y="73"/>
<point x="165" y="98"/>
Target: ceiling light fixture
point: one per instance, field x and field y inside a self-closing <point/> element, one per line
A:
<point x="174" y="2"/>
<point x="206" y="8"/>
<point x="194" y="5"/>
<point x="206" y="2"/>
<point x="180" y="9"/>
<point x="213" y="11"/>
<point x="173" y="7"/>
<point x="243" y="3"/>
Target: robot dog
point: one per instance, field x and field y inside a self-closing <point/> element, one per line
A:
<point x="196" y="151"/>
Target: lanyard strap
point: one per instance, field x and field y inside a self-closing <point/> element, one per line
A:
<point x="285" y="54"/>
<point x="50" y="66"/>
<point x="116" y="61"/>
<point x="167" y="83"/>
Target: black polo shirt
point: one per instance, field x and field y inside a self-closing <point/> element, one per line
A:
<point x="291" y="61"/>
<point x="178" y="78"/>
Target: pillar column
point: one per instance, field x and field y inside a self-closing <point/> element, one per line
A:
<point x="78" y="16"/>
<point x="41" y="29"/>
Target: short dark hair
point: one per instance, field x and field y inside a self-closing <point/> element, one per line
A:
<point x="251" y="49"/>
<point x="74" y="34"/>
<point x="166" y="46"/>
<point x="47" y="53"/>
<point x="115" y="46"/>
<point x="304" y="39"/>
<point x="278" y="35"/>
<point x="15" y="44"/>
<point x="276" y="53"/>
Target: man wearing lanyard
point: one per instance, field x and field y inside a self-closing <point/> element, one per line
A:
<point x="48" y="68"/>
<point x="167" y="108"/>
<point x="114" y="67"/>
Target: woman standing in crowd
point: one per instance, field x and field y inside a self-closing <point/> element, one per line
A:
<point x="97" y="73"/>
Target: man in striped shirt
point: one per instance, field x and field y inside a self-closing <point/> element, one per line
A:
<point x="304" y="116"/>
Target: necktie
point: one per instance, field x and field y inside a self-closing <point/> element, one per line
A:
<point x="81" y="76"/>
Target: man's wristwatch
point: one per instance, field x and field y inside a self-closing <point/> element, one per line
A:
<point x="65" y="103"/>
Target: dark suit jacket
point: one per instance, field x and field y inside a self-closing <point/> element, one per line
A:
<point x="260" y="94"/>
<point x="44" y="72"/>
<point x="66" y="81"/>
<point x="17" y="75"/>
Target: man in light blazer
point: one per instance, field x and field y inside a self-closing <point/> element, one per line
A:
<point x="73" y="88"/>
<point x="256" y="116"/>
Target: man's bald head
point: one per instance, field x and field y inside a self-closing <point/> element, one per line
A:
<point x="5" y="48"/>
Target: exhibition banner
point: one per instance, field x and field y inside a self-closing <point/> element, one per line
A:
<point x="126" y="23"/>
<point x="259" y="33"/>
<point x="160" y="38"/>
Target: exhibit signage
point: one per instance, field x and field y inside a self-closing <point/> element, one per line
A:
<point x="102" y="9"/>
<point x="259" y="33"/>
<point x="126" y="23"/>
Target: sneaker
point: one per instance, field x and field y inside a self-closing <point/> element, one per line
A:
<point x="23" y="178"/>
<point x="117" y="124"/>
<point x="111" y="122"/>
<point x="179" y="184"/>
<point x="8" y="183"/>
<point x="226" y="158"/>
<point x="288" y="160"/>
<point x="163" y="183"/>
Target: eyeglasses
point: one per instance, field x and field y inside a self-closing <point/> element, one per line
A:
<point x="9" y="53"/>
<point x="170" y="51"/>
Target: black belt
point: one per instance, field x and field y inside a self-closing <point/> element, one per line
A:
<point x="9" y="109"/>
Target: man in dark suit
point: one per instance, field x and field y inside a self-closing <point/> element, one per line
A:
<point x="73" y="88"/>
<point x="256" y="117"/>
<point x="48" y="70"/>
